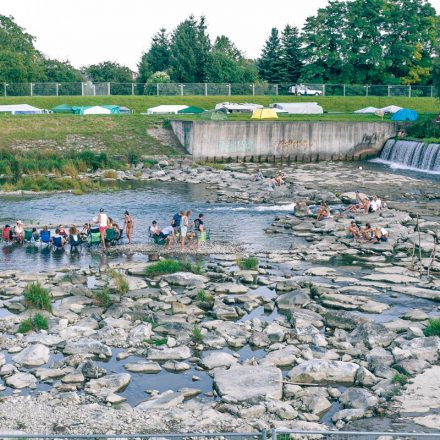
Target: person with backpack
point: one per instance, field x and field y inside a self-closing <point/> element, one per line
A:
<point x="199" y="229"/>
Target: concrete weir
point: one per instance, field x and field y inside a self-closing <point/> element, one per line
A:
<point x="253" y="140"/>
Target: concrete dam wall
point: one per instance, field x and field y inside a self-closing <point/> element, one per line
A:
<point x="293" y="140"/>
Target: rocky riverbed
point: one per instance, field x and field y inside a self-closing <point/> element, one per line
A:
<point x="319" y="335"/>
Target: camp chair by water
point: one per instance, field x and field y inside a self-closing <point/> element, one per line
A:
<point x="57" y="243"/>
<point x="6" y="233"/>
<point x="119" y="237"/>
<point x="45" y="237"/>
<point x="110" y="235"/>
<point x="74" y="244"/>
<point x="28" y="235"/>
<point x="94" y="236"/>
<point x="156" y="238"/>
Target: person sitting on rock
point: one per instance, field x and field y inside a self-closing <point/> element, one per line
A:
<point x="353" y="230"/>
<point x="375" y="204"/>
<point x="258" y="175"/>
<point x="323" y="212"/>
<point x="168" y="234"/>
<point x="19" y="232"/>
<point x="381" y="234"/>
<point x="368" y="233"/>
<point x="301" y="209"/>
<point x="154" y="229"/>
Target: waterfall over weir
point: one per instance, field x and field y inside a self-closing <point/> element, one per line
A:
<point x="412" y="155"/>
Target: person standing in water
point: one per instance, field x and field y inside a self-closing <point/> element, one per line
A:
<point x="103" y="223"/>
<point x="128" y="225"/>
<point x="184" y="223"/>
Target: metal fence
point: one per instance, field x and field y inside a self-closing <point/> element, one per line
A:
<point x="210" y="89"/>
<point x="263" y="435"/>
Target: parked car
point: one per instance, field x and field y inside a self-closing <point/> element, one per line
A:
<point x="301" y="90"/>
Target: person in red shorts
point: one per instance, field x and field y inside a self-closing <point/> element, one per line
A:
<point x="103" y="224"/>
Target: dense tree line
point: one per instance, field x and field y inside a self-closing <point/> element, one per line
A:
<point x="355" y="41"/>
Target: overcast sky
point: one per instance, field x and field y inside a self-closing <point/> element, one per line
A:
<point x="91" y="31"/>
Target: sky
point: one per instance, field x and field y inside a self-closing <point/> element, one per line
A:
<point x="90" y="31"/>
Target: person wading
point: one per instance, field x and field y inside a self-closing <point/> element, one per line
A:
<point x="103" y="223"/>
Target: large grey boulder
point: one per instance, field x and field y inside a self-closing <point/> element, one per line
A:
<point x="358" y="398"/>
<point x="426" y="349"/>
<point x="143" y="367"/>
<point x="166" y="354"/>
<point x="21" y="380"/>
<point x="293" y="299"/>
<point x="87" y="346"/>
<point x="372" y="335"/>
<point x="324" y="372"/>
<point x="168" y="399"/>
<point x="342" y="319"/>
<point x="217" y="359"/>
<point x="185" y="279"/>
<point x="139" y="333"/>
<point x="284" y="357"/>
<point x="32" y="356"/>
<point x="378" y="357"/>
<point x="108" y="385"/>
<point x="249" y="383"/>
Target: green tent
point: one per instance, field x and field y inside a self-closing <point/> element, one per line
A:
<point x="213" y="116"/>
<point x="191" y="110"/>
<point x="113" y="108"/>
<point x="63" y="108"/>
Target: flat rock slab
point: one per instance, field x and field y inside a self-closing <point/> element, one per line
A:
<point x="21" y="380"/>
<point x="232" y="288"/>
<point x="353" y="302"/>
<point x="166" y="354"/>
<point x="108" y="385"/>
<point x="218" y="359"/>
<point x="324" y="372"/>
<point x="391" y="278"/>
<point x="185" y="279"/>
<point x="168" y="399"/>
<point x="32" y="356"/>
<point x="249" y="383"/>
<point x="143" y="367"/>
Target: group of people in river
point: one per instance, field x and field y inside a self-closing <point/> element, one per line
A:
<point x="273" y="182"/>
<point x="181" y="229"/>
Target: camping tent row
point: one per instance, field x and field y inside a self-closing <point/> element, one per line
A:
<point x="21" y="109"/>
<point x="385" y="110"/>
<point x="399" y="113"/>
<point x="174" y="110"/>
<point x="91" y="110"/>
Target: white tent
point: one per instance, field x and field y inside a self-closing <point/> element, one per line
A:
<point x="165" y="109"/>
<point x="391" y="109"/>
<point x="96" y="110"/>
<point x="233" y="107"/>
<point x="299" y="108"/>
<point x="367" y="110"/>
<point x="20" y="109"/>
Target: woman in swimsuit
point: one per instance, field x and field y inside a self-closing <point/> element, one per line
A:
<point x="184" y="223"/>
<point x="129" y="225"/>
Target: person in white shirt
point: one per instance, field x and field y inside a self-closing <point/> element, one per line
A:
<point x="376" y="204"/>
<point x="154" y="228"/>
<point x="103" y="224"/>
<point x="167" y="234"/>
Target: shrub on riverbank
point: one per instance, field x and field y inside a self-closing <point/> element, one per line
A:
<point x="433" y="328"/>
<point x="120" y="281"/>
<point x="171" y="266"/>
<point x="425" y="129"/>
<point x="102" y="297"/>
<point x="36" y="296"/>
<point x="249" y="263"/>
<point x="37" y="322"/>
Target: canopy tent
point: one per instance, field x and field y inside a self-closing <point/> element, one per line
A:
<point x="299" y="108"/>
<point x="367" y="110"/>
<point x="21" y="109"/>
<point x="91" y="110"/>
<point x="114" y="109"/>
<point x="191" y="110"/>
<point x="405" y="114"/>
<point x="124" y="110"/>
<point x="391" y="109"/>
<point x="264" y="113"/>
<point x="63" y="108"/>
<point x="165" y="109"/>
<point x="233" y="107"/>
<point x="212" y="115"/>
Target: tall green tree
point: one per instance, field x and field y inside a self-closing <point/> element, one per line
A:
<point x="60" y="71"/>
<point x="291" y="54"/>
<point x="108" y="71"/>
<point x="270" y="64"/>
<point x="157" y="58"/>
<point x="190" y="47"/>
<point x="19" y="60"/>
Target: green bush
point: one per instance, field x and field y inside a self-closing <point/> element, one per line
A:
<point x="102" y="297"/>
<point x="400" y="378"/>
<point x="36" y="296"/>
<point x="213" y="165"/>
<point x="121" y="281"/>
<point x="205" y="297"/>
<point x="433" y="328"/>
<point x="37" y="322"/>
<point x="249" y="263"/>
<point x="425" y="128"/>
<point x="157" y="341"/>
<point x="197" y="334"/>
<point x="171" y="266"/>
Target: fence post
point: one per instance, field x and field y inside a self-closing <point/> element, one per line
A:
<point x="229" y="89"/>
<point x="181" y="89"/>
<point x="343" y="88"/>
<point x="157" y="89"/>
<point x="108" y="89"/>
<point x="82" y="89"/>
<point x="132" y="89"/>
<point x="432" y="91"/>
<point x="32" y="89"/>
<point x="409" y="91"/>
<point x="264" y="434"/>
<point x="274" y="434"/>
<point x="276" y="89"/>
<point x="206" y="89"/>
<point x="5" y="85"/>
<point x="323" y="90"/>
<point x="56" y="88"/>
<point x="389" y="89"/>
<point x="253" y="89"/>
<point x="366" y="90"/>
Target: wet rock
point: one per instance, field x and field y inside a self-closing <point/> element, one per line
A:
<point x="352" y="302"/>
<point x="391" y="278"/>
<point x="143" y="367"/>
<point x="91" y="370"/>
<point x="185" y="279"/>
<point x="175" y="366"/>
<point x="365" y="377"/>
<point x="165" y="354"/>
<point x="218" y="359"/>
<point x="32" y="356"/>
<point x="291" y="300"/>
<point x="108" y="385"/>
<point x="139" y="333"/>
<point x="426" y="349"/>
<point x="51" y="373"/>
<point x="21" y="380"/>
<point x="87" y="346"/>
<point x="275" y="332"/>
<point x="378" y="357"/>
<point x="372" y="335"/>
<point x="232" y="288"/>
<point x="343" y="320"/>
<point x="284" y="357"/>
<point x="348" y="415"/>
<point x="168" y="399"/>
<point x="287" y="285"/>
<point x="358" y="398"/>
<point x="324" y="372"/>
<point x="249" y="383"/>
<point x="416" y="315"/>
<point x="283" y="410"/>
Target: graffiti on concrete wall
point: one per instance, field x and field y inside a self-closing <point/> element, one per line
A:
<point x="287" y="146"/>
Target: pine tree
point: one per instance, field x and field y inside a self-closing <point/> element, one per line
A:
<point x="270" y="64"/>
<point x="291" y="54"/>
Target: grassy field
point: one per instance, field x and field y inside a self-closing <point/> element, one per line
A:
<point x="141" y="103"/>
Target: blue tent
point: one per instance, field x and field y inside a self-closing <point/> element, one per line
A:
<point x="405" y="114"/>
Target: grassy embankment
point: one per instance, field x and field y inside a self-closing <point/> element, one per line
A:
<point x="60" y="145"/>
